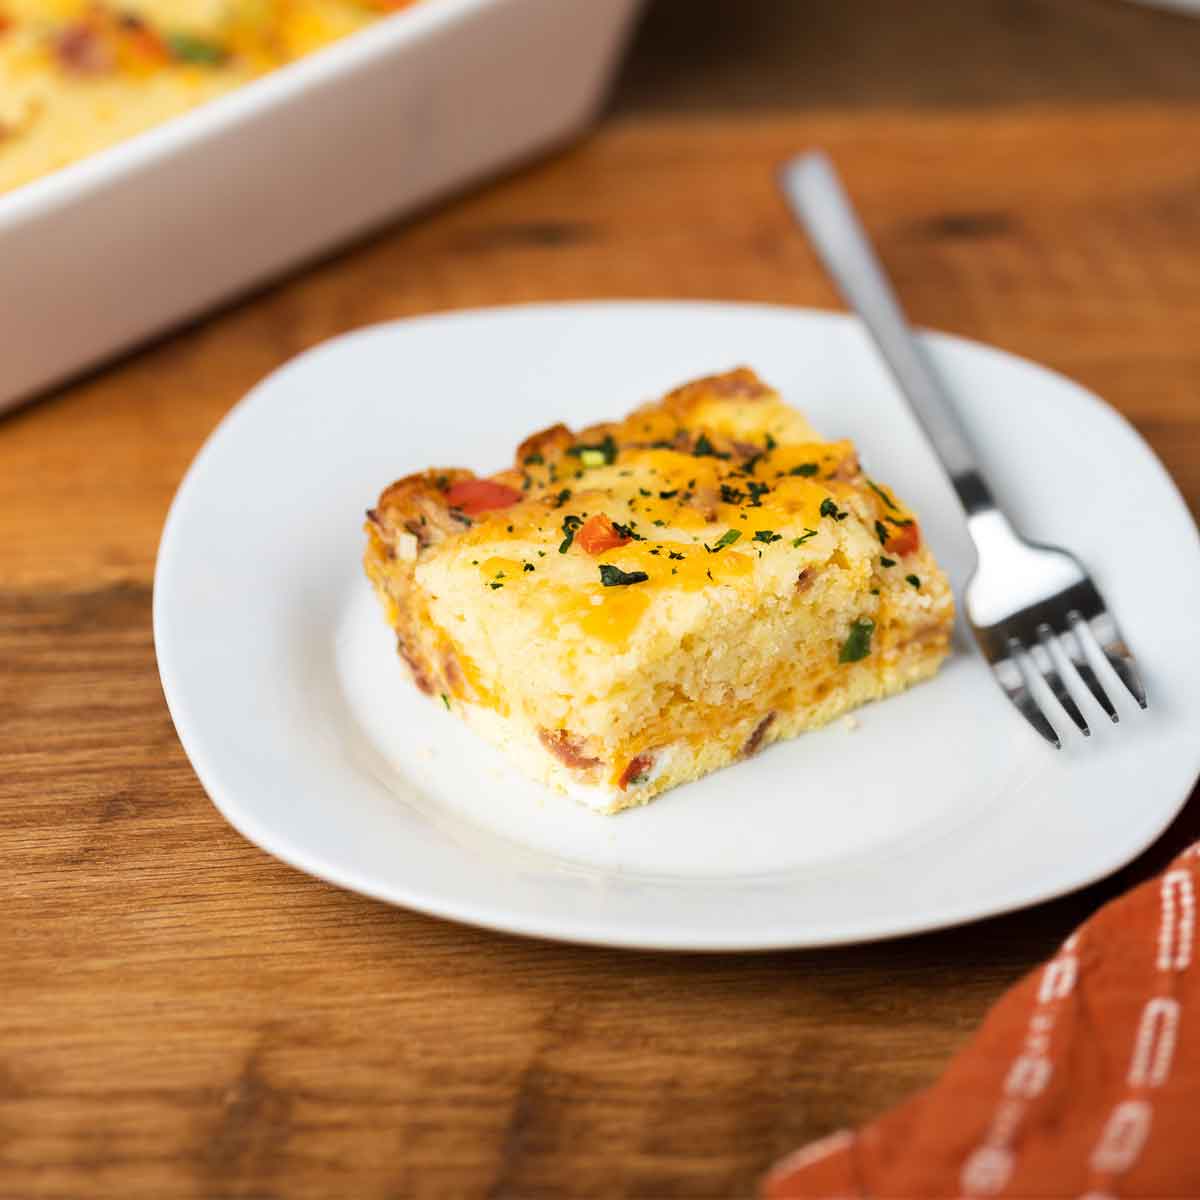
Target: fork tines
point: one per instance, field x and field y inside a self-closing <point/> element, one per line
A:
<point x="1024" y="663"/>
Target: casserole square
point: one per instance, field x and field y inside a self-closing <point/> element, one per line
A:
<point x="630" y="607"/>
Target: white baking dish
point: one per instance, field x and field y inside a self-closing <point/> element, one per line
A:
<point x="110" y="250"/>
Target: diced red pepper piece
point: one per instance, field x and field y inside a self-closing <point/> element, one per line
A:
<point x="905" y="540"/>
<point x="637" y="766"/>
<point x="598" y="534"/>
<point x="473" y="496"/>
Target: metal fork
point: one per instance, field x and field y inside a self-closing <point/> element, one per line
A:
<point x="1034" y="609"/>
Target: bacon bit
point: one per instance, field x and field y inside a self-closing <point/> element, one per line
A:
<point x="420" y="532"/>
<point x="741" y="381"/>
<point x="755" y="739"/>
<point x="597" y="534"/>
<point x="566" y="748"/>
<point x="453" y="672"/>
<point x="637" y="766"/>
<point x="548" y="443"/>
<point x="81" y="49"/>
<point x="705" y="500"/>
<point x="747" y="449"/>
<point x="847" y="469"/>
<point x="905" y="540"/>
<point x="805" y="579"/>
<point x="420" y="677"/>
<point x="473" y="496"/>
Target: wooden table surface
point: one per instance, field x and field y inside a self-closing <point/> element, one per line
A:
<point x="181" y="1015"/>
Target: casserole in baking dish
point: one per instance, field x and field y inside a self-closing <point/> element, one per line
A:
<point x="126" y="242"/>
<point x="79" y="75"/>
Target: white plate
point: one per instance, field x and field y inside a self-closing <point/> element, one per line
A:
<point x="941" y="806"/>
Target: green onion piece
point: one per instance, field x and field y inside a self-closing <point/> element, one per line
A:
<point x="858" y="643"/>
<point x="187" y="48"/>
<point x="726" y="539"/>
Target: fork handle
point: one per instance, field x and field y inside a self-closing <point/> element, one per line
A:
<point x="819" y="202"/>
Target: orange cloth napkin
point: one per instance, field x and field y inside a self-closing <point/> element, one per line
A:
<point x="1084" y="1080"/>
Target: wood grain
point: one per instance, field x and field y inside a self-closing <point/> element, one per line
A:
<point x="181" y="1015"/>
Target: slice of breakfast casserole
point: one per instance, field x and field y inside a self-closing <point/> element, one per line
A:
<point x="633" y="606"/>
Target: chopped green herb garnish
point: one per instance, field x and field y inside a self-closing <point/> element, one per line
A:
<point x="445" y="700"/>
<point x="541" y="554"/>
<point x="533" y="459"/>
<point x="881" y="493"/>
<point x="884" y="561"/>
<point x="705" y="449"/>
<point x="858" y="643"/>
<point x="767" y="535"/>
<point x="913" y="579"/>
<point x="901" y="522"/>
<point x="627" y="531"/>
<point x="570" y="524"/>
<point x="881" y="532"/>
<point x="459" y="515"/>
<point x="668" y="495"/>
<point x="612" y="576"/>
<point x="731" y="495"/>
<point x="726" y="539"/>
<point x="805" y="469"/>
<point x="808" y="533"/>
<point x="675" y="555"/>
<point x="527" y="567"/>
<point x="757" y="491"/>
<point x="562" y="497"/>
<point x="771" y="442"/>
<point x="830" y="509"/>
<point x="643" y="492"/>
<point x="494" y="586"/>
<point x="659" y="521"/>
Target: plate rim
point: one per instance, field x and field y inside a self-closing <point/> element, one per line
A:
<point x="594" y="932"/>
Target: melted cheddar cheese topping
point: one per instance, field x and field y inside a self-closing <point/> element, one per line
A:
<point x="715" y="501"/>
